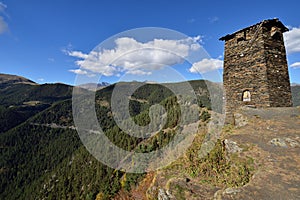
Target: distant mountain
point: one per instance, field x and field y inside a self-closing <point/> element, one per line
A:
<point x="94" y="86"/>
<point x="295" y="84"/>
<point x="296" y="95"/>
<point x="7" y="79"/>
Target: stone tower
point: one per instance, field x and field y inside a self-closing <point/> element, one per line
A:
<point x="255" y="68"/>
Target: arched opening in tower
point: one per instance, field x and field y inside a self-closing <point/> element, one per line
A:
<point x="246" y="95"/>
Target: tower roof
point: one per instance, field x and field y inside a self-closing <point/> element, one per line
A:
<point x="268" y="22"/>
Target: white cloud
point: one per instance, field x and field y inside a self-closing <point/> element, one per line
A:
<point x="134" y="57"/>
<point x="77" y="54"/>
<point x="67" y="49"/>
<point x="78" y="71"/>
<point x="296" y="65"/>
<point x="139" y="72"/>
<point x="206" y="65"/>
<point x="292" y="40"/>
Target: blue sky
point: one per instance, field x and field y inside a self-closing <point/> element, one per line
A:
<point x="42" y="40"/>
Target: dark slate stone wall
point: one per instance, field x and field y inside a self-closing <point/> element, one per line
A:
<point x="255" y="60"/>
<point x="277" y="68"/>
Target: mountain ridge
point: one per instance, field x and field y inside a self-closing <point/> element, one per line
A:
<point x="14" y="79"/>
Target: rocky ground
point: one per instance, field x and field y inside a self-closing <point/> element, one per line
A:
<point x="268" y="137"/>
<point x="274" y="134"/>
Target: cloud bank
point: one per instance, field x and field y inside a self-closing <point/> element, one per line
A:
<point x="206" y="65"/>
<point x="292" y="40"/>
<point x="133" y="57"/>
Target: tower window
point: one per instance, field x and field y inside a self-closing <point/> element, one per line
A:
<point x="246" y="95"/>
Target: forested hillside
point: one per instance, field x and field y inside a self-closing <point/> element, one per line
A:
<point x="21" y="98"/>
<point x="42" y="156"/>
